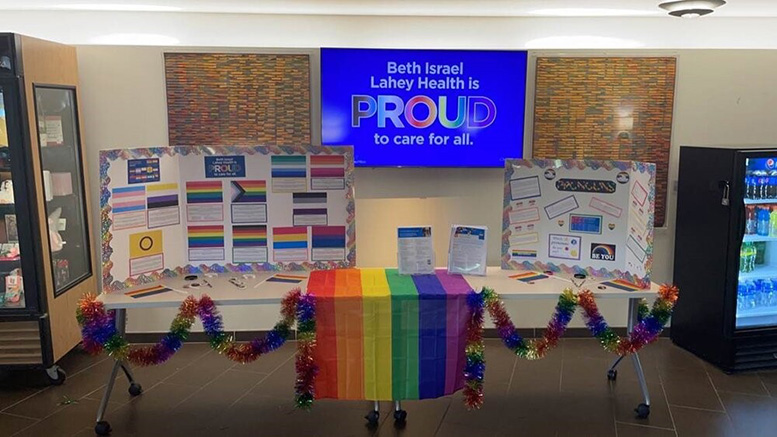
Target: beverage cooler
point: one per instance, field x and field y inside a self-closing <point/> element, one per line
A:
<point x="726" y="256"/>
<point x="46" y="260"/>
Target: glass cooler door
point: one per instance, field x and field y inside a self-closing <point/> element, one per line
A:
<point x="11" y="284"/>
<point x="757" y="286"/>
<point x="60" y="154"/>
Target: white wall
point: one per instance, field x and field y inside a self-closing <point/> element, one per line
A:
<point x="723" y="97"/>
<point x="253" y="30"/>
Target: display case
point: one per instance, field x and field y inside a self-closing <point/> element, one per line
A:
<point x="46" y="261"/>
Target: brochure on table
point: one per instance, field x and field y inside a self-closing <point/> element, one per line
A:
<point x="579" y="217"/>
<point x="467" y="250"/>
<point x="197" y="209"/>
<point x="415" y="250"/>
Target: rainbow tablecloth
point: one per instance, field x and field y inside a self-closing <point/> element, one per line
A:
<point x="385" y="336"/>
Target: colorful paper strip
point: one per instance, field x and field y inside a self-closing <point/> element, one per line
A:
<point x="148" y="291"/>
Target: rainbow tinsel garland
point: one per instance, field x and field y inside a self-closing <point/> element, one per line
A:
<point x="99" y="332"/>
<point x="648" y="328"/>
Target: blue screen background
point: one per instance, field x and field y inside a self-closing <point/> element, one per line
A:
<point x="502" y="79"/>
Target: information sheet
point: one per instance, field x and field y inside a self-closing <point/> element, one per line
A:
<point x="467" y="250"/>
<point x="415" y="250"/>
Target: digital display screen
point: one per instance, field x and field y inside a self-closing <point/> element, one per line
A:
<point x="424" y="108"/>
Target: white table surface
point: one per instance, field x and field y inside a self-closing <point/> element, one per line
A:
<point x="259" y="292"/>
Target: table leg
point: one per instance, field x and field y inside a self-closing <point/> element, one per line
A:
<point x="643" y="409"/>
<point x="373" y="417"/>
<point x="102" y="427"/>
<point x="400" y="415"/>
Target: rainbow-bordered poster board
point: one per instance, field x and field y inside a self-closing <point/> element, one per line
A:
<point x="167" y="211"/>
<point x="579" y="217"/>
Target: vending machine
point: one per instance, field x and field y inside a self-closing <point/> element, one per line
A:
<point x="726" y="256"/>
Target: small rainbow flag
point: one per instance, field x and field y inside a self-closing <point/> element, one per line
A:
<point x="529" y="276"/>
<point x="148" y="291"/>
<point x="206" y="236"/>
<point x="204" y="192"/>
<point x="249" y="236"/>
<point x="524" y="253"/>
<point x="385" y="336"/>
<point x="295" y="237"/>
<point x="249" y="191"/>
<point x="622" y="285"/>
<point x="290" y="279"/>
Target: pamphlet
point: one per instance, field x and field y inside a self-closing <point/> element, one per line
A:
<point x="415" y="250"/>
<point x="467" y="250"/>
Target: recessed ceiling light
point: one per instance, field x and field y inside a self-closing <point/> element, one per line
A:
<point x="116" y="7"/>
<point x="589" y="12"/>
<point x="135" y="39"/>
<point x="691" y="8"/>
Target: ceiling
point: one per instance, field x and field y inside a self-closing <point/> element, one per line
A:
<point x="462" y="8"/>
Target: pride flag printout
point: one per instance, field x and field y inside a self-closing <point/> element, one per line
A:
<point x="129" y="207"/>
<point x="163" y="208"/>
<point x="206" y="242"/>
<point x="289" y="173"/>
<point x="290" y="243"/>
<point x="249" y="244"/>
<point x="249" y="201"/>
<point x="385" y="336"/>
<point x="204" y="201"/>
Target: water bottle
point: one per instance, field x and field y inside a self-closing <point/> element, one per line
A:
<point x="753" y="254"/>
<point x="756" y="292"/>
<point x="750" y="224"/>
<point x="767" y="291"/>
<point x="772" y="298"/>
<point x="741" y="295"/>
<point x="763" y="222"/>
<point x="750" y="294"/>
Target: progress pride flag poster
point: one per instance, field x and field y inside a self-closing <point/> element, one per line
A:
<point x="424" y="108"/>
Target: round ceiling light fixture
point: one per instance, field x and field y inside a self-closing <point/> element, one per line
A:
<point x="691" y="8"/>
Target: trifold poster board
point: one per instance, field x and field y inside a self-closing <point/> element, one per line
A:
<point x="573" y="217"/>
<point x="197" y="209"/>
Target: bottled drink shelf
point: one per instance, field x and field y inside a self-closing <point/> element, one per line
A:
<point x="757" y="312"/>
<point x="760" y="201"/>
<point x="756" y="238"/>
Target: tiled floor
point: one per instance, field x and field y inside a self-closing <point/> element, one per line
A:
<point x="199" y="393"/>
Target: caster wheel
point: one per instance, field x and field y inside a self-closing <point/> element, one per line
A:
<point x="135" y="389"/>
<point x="643" y="411"/>
<point x="372" y="418"/>
<point x="102" y="428"/>
<point x="400" y="416"/>
<point x="56" y="375"/>
<point x="612" y="375"/>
